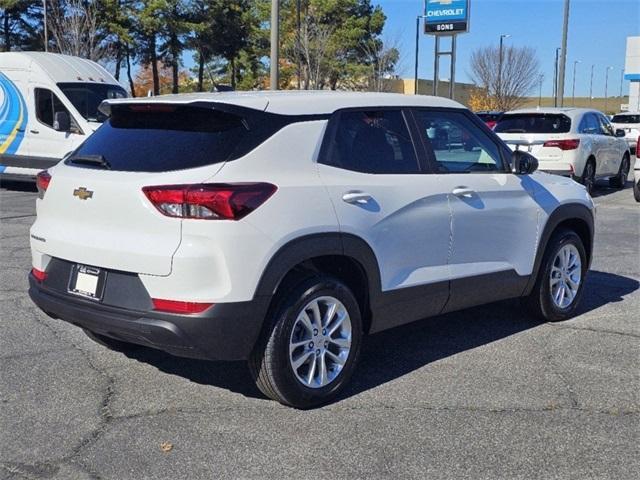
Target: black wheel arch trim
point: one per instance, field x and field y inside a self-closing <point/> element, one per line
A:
<point x="563" y="213"/>
<point x="307" y="247"/>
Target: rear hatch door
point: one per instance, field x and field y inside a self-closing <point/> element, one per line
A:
<point x="530" y="132"/>
<point x="94" y="211"/>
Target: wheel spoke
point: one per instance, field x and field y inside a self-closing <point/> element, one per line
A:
<point x="301" y="360"/>
<point x="331" y="329"/>
<point x="335" y="358"/>
<point x="305" y="321"/>
<point x="323" y="370"/>
<point x="312" y="370"/>
<point x="554" y="281"/>
<point x="317" y="316"/>
<point x="341" y="342"/>
<point x="294" y="345"/>
<point x="329" y="314"/>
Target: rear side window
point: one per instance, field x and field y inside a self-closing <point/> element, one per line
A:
<point x="589" y="124"/>
<point x="373" y="142"/>
<point x="533" y="123"/>
<point x="626" y="119"/>
<point x="164" y="138"/>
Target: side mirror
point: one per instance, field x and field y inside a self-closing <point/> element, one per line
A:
<point x="620" y="132"/>
<point x="523" y="163"/>
<point x="62" y="122"/>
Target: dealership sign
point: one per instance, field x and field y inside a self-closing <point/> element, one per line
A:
<point x="446" y="16"/>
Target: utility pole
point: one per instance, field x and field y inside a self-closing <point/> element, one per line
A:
<point x="499" y="89"/>
<point x="275" y="27"/>
<point x="591" y="86"/>
<point x="555" y="78"/>
<point x="606" y="84"/>
<point x="415" y="86"/>
<point x="563" y="57"/>
<point x="573" y="90"/>
<point x="46" y="33"/>
<point x="540" y="80"/>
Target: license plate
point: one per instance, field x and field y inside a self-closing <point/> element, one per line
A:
<point x="87" y="281"/>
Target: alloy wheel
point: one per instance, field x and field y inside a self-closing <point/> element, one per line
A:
<point x="565" y="276"/>
<point x="320" y="342"/>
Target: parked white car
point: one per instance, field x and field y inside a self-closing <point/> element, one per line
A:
<point x="636" y="177"/>
<point x="630" y="123"/>
<point x="280" y="228"/>
<point x="574" y="142"/>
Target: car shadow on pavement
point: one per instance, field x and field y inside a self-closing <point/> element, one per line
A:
<point x="602" y="188"/>
<point x="394" y="353"/>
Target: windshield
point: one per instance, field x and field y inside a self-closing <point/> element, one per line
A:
<point x="533" y="123"/>
<point x="626" y="119"/>
<point x="87" y="97"/>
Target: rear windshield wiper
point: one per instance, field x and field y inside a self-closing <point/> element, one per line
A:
<point x="514" y="130"/>
<point x="97" y="160"/>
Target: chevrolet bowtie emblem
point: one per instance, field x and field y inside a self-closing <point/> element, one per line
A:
<point x="82" y="193"/>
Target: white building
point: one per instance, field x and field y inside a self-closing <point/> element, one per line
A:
<point x="632" y="72"/>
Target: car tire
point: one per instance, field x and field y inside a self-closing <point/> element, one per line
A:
<point x="588" y="178"/>
<point x="620" y="180"/>
<point x="636" y="190"/>
<point x="547" y="301"/>
<point x="287" y="365"/>
<point x="112" y="343"/>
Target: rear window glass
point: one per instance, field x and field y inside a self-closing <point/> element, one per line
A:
<point x="489" y="117"/>
<point x="163" y="139"/>
<point x="533" y="123"/>
<point x="626" y="119"/>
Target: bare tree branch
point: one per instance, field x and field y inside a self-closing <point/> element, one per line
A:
<point x="506" y="89"/>
<point x="74" y="28"/>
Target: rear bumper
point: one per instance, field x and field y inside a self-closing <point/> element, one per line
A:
<point x="226" y="331"/>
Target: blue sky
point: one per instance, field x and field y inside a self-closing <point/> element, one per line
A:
<point x="597" y="35"/>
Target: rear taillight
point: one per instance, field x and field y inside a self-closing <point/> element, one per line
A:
<point x="39" y="275"/>
<point x="42" y="182"/>
<point x="563" y="144"/>
<point x="176" y="306"/>
<point x="209" y="201"/>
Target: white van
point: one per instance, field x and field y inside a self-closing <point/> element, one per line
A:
<point x="48" y="106"/>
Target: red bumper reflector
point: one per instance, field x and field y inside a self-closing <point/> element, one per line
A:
<point x="175" y="306"/>
<point x="39" y="274"/>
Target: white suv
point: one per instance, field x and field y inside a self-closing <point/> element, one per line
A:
<point x="282" y="227"/>
<point x="574" y="142"/>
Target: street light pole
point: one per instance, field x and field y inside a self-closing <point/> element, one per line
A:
<point x="499" y="89"/>
<point x="540" y="79"/>
<point x="563" y="57"/>
<point x="415" y="83"/>
<point x="573" y="90"/>
<point x="555" y="78"/>
<point x="591" y="86"/>
<point x="46" y="33"/>
<point x="606" y="84"/>
<point x="275" y="27"/>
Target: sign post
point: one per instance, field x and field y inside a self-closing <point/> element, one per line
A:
<point x="446" y="18"/>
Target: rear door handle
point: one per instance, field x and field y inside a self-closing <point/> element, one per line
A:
<point x="463" y="192"/>
<point x="35" y="131"/>
<point x="356" y="197"/>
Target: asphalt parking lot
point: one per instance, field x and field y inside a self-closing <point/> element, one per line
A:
<point x="485" y="393"/>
